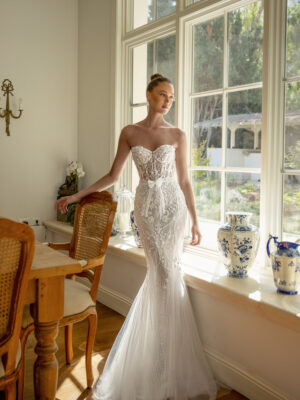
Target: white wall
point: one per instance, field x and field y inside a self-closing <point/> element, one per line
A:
<point x="39" y="42"/>
<point x="96" y="86"/>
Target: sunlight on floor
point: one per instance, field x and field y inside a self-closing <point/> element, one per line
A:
<point x="73" y="380"/>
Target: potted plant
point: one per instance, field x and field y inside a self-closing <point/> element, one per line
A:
<point x="74" y="171"/>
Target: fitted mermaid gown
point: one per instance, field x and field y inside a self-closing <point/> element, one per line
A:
<point x="158" y="354"/>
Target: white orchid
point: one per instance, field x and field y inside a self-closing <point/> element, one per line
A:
<point x="75" y="168"/>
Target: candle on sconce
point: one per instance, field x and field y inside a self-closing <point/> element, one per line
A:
<point x="7" y="113"/>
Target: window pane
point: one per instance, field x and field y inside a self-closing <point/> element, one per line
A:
<point x="165" y="56"/>
<point x="243" y="194"/>
<point x="170" y="117"/>
<point x="292" y="126"/>
<point x="165" y="7"/>
<point x="207" y="192"/>
<point x="293" y="38"/>
<point x="291" y="205"/>
<point x="207" y="131"/>
<point x="209" y="232"/>
<point x="145" y="10"/>
<point x="244" y="129"/>
<point x="139" y="113"/>
<point x="245" y="40"/>
<point x="208" y="55"/>
<point x="142" y="12"/>
<point x="149" y="60"/>
<point x="139" y="74"/>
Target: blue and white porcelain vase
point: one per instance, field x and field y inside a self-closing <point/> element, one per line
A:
<point x="285" y="265"/>
<point x="238" y="243"/>
<point x="135" y="230"/>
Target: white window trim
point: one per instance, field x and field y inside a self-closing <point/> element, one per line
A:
<point x="272" y="92"/>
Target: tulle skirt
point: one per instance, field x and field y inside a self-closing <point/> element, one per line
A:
<point x="158" y="353"/>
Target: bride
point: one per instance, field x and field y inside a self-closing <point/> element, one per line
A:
<point x="157" y="354"/>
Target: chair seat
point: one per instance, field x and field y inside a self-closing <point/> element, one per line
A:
<point x="18" y="358"/>
<point x="77" y="298"/>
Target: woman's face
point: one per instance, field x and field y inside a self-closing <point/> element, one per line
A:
<point x="161" y="97"/>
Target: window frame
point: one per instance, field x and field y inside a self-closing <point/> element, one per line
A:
<point x="272" y="138"/>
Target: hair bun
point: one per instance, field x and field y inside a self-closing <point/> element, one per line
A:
<point x="155" y="76"/>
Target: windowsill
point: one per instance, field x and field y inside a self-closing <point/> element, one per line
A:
<point x="256" y="293"/>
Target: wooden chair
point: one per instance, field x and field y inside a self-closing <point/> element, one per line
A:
<point x="16" y="254"/>
<point x="92" y="227"/>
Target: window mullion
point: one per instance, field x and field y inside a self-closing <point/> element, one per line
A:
<point x="224" y="119"/>
<point x="154" y="57"/>
<point x="272" y="119"/>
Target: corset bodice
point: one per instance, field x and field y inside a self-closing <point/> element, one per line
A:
<point x="152" y="165"/>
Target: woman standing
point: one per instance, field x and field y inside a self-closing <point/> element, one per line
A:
<point x="157" y="354"/>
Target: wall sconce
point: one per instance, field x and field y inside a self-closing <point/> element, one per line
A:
<point x="7" y="88"/>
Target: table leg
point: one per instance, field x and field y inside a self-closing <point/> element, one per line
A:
<point x="46" y="365"/>
<point x="49" y="310"/>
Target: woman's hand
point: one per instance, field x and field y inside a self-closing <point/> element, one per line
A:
<point x="63" y="202"/>
<point x="196" y="235"/>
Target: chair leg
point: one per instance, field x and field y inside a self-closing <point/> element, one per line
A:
<point x="92" y="320"/>
<point x="24" y="335"/>
<point x="69" y="343"/>
<point x="10" y="391"/>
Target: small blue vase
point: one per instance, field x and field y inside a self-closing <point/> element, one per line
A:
<point x="135" y="230"/>
<point x="285" y="265"/>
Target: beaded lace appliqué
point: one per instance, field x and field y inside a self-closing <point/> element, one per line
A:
<point x="160" y="209"/>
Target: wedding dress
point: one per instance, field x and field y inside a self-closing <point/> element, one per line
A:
<point x="158" y="354"/>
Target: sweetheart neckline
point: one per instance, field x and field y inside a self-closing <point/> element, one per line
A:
<point x="153" y="151"/>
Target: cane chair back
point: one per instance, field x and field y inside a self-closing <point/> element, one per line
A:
<point x="16" y="254"/>
<point x="92" y="227"/>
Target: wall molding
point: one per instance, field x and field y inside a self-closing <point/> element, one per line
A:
<point x="235" y="376"/>
<point x="114" y="300"/>
<point x="110" y="298"/>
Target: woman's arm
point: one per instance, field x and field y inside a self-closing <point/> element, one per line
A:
<point x="186" y="187"/>
<point x="106" y="181"/>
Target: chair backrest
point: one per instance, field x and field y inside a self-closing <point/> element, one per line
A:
<point x="16" y="254"/>
<point x="93" y="222"/>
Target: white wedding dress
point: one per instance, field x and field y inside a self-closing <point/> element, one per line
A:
<point x="158" y="354"/>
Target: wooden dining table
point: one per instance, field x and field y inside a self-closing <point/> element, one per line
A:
<point x="45" y="294"/>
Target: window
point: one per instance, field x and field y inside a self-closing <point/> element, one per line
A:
<point x="244" y="136"/>
<point x="226" y="102"/>
<point x="148" y="58"/>
<point x="291" y="170"/>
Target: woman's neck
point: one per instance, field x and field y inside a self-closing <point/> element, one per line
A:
<point x="154" y="120"/>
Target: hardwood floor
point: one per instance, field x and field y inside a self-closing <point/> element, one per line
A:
<point x="72" y="379"/>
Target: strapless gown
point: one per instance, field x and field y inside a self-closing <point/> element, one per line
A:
<point x="158" y="354"/>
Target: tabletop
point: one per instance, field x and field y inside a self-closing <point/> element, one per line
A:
<point x="48" y="262"/>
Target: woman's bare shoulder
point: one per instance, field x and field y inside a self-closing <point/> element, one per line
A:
<point x="128" y="133"/>
<point x="180" y="135"/>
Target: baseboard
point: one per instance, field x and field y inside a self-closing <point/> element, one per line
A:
<point x="110" y="298"/>
<point x="114" y="300"/>
<point x="238" y="378"/>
